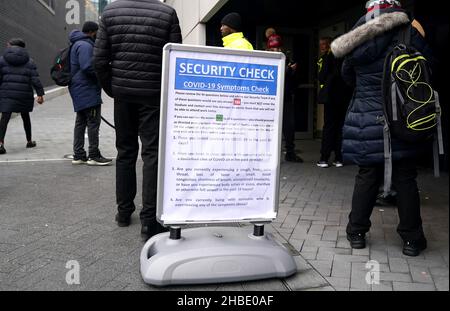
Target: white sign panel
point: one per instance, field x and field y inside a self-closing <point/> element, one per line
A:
<point x="220" y="135"/>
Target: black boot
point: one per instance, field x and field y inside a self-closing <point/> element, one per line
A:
<point x="414" y="248"/>
<point x="357" y="240"/>
<point x="386" y="200"/>
<point x="292" y="157"/>
<point x="31" y="144"/>
<point x="123" y="221"/>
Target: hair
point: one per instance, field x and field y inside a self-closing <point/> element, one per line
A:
<point x="90" y="26"/>
<point x="270" y="31"/>
<point x="17" y="42"/>
<point x="327" y="39"/>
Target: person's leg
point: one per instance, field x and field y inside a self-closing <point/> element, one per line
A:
<point x="6" y="116"/>
<point x="149" y="134"/>
<point x="338" y="146"/>
<point x="327" y="137"/>
<point x="26" y="125"/>
<point x="332" y="134"/>
<point x="365" y="193"/>
<point x="126" y="121"/>
<point x="339" y="125"/>
<point x="408" y="200"/>
<point x="93" y="124"/>
<point x="79" y="154"/>
<point x="289" y="129"/>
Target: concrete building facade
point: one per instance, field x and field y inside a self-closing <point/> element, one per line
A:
<point x="194" y="15"/>
<point x="45" y="26"/>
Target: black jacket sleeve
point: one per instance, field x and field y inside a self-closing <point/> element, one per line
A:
<point x="327" y="78"/>
<point x="102" y="59"/>
<point x="175" y="31"/>
<point x="327" y="73"/>
<point x="290" y="79"/>
<point x="422" y="46"/>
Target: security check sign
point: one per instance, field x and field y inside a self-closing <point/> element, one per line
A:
<point x="220" y="135"/>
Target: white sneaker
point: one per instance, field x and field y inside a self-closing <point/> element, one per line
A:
<point x="323" y="164"/>
<point x="79" y="161"/>
<point x="338" y="164"/>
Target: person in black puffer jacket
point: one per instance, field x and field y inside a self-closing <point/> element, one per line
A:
<point x="334" y="95"/>
<point x="365" y="49"/>
<point x="18" y="77"/>
<point x="128" y="62"/>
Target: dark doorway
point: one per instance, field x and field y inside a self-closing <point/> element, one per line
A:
<point x="298" y="25"/>
<point x="294" y="18"/>
<point x="304" y="94"/>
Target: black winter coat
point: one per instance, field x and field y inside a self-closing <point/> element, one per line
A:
<point x="18" y="77"/>
<point x="366" y="48"/>
<point x="333" y="90"/>
<point x="128" y="49"/>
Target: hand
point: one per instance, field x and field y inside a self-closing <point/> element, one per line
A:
<point x="40" y="100"/>
<point x="293" y="66"/>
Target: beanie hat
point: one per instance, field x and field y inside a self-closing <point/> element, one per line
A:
<point x="232" y="20"/>
<point x="89" y="26"/>
<point x="382" y="4"/>
<point x="274" y="41"/>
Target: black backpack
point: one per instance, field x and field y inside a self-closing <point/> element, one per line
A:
<point x="60" y="71"/>
<point x="412" y="112"/>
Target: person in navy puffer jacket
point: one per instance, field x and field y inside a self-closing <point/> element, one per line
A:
<point x="365" y="48"/>
<point x="86" y="96"/>
<point x="18" y="77"/>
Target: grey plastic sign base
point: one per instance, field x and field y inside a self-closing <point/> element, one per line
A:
<point x="214" y="255"/>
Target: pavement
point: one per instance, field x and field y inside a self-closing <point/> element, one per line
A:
<point x="52" y="213"/>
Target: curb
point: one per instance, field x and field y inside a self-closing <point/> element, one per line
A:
<point x="54" y="92"/>
<point x="50" y="93"/>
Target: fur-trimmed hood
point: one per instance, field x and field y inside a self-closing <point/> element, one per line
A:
<point x="345" y="44"/>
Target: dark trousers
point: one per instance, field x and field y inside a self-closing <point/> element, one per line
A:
<point x="289" y="123"/>
<point x="367" y="187"/>
<point x="135" y="120"/>
<point x="90" y="118"/>
<point x="6" y="116"/>
<point x="334" y="116"/>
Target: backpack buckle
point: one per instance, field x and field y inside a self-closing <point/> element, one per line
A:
<point x="401" y="47"/>
<point x="381" y="119"/>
